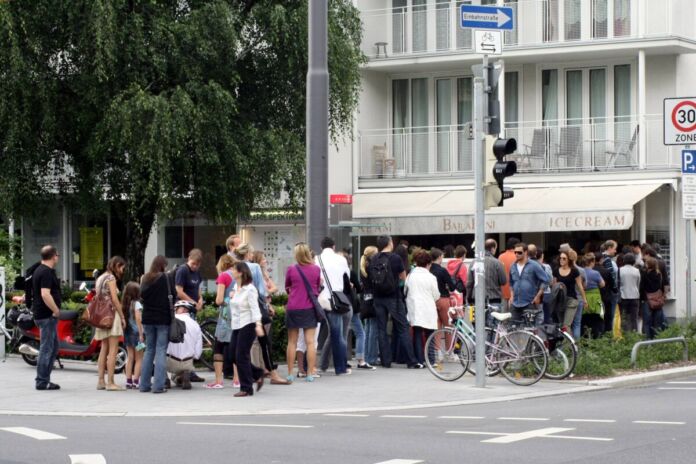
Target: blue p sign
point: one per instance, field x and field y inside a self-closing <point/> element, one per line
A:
<point x="688" y="161"/>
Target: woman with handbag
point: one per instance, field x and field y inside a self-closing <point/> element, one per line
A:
<point x="367" y="308"/>
<point x="225" y="284"/>
<point x="302" y="284"/>
<point x="652" y="285"/>
<point x="157" y="297"/>
<point x="107" y="289"/>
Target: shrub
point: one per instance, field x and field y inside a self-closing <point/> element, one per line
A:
<point x="209" y="298"/>
<point x="78" y="297"/>
<point x="279" y="299"/>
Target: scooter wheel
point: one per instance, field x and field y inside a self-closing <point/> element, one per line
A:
<point x="121" y="359"/>
<point x="29" y="359"/>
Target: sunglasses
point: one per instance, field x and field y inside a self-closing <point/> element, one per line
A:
<point x="563" y="258"/>
<point x="519" y="252"/>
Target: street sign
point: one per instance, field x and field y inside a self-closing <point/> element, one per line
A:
<point x="488" y="42"/>
<point x="679" y="115"/>
<point x="689" y="184"/>
<point x="486" y="17"/>
<point x="341" y="199"/>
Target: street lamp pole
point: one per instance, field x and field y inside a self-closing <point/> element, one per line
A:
<point x="317" y="195"/>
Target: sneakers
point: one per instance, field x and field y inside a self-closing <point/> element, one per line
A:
<point x="48" y="386"/>
<point x="214" y="386"/>
<point x="236" y="384"/>
<point x="193" y="377"/>
<point x="416" y="366"/>
<point x="185" y="381"/>
<point x="367" y="366"/>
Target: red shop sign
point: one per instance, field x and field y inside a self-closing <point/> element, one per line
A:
<point x="341" y="199"/>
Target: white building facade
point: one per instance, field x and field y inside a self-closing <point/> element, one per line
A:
<point x="582" y="92"/>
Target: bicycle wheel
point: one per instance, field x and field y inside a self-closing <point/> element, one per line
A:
<point x="522" y="357"/>
<point x="208" y="335"/>
<point x="491" y="369"/>
<point x="563" y="355"/>
<point x="446" y="354"/>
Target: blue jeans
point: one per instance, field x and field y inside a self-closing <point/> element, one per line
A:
<point x="359" y="332"/>
<point x="577" y="321"/>
<point x="654" y="320"/>
<point x="371" y="345"/>
<point x="394" y="307"/>
<point x="336" y="341"/>
<point x="609" y="313"/>
<point x="156" y="342"/>
<point x="548" y="319"/>
<point x="48" y="350"/>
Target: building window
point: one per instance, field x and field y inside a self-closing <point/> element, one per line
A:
<point x="399" y="26"/>
<point x="600" y="23"/>
<point x="419" y="121"/>
<point x="465" y="102"/>
<point x="622" y="18"/>
<point x="573" y="13"/>
<point x="549" y="96"/>
<point x="444" y="124"/>
<point x="420" y="25"/>
<point x="512" y="104"/>
<point x="550" y="20"/>
<point x="443" y="18"/>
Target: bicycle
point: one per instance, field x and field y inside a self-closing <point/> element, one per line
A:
<point x="208" y="334"/>
<point x="561" y="347"/>
<point x="519" y="355"/>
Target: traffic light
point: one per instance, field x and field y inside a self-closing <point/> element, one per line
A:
<point x="492" y="74"/>
<point x="497" y="169"/>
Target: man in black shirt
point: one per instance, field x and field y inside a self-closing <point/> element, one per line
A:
<point x="188" y="288"/>
<point x="46" y="308"/>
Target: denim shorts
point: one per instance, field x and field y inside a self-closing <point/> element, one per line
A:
<point x="131" y="337"/>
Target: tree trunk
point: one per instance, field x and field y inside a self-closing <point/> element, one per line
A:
<point x="138" y="233"/>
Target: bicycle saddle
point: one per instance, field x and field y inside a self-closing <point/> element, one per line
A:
<point x="501" y="316"/>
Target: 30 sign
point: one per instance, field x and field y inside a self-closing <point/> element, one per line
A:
<point x="680" y="121"/>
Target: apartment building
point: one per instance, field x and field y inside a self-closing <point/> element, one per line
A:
<point x="582" y="92"/>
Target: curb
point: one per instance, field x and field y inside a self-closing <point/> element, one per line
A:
<point x="634" y="380"/>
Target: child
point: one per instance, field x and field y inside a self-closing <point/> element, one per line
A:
<point x="134" y="335"/>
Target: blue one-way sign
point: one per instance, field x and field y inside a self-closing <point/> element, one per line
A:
<point x="486" y="17"/>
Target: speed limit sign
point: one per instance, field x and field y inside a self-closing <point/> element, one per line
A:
<point x="680" y="121"/>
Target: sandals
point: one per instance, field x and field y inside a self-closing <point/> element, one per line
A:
<point x="214" y="386"/>
<point x="114" y="387"/>
<point x="309" y="378"/>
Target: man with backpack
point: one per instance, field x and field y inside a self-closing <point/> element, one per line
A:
<point x="385" y="272"/>
<point x="608" y="250"/>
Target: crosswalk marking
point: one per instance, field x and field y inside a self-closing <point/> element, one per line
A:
<point x="231" y="424"/>
<point x="515" y="437"/>
<point x="33" y="433"/>
<point x="87" y="459"/>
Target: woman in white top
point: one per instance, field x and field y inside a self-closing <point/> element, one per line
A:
<point x="246" y="326"/>
<point x="421" y="295"/>
<point x="629" y="286"/>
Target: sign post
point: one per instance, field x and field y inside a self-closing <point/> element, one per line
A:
<point x="487" y="42"/>
<point x="688" y="213"/>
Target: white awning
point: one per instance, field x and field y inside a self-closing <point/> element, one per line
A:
<point x="538" y="209"/>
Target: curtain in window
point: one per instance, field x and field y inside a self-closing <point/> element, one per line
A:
<point x="463" y="35"/>
<point x="419" y="121"/>
<point x="573" y="97"/>
<point x="464" y="115"/>
<point x="573" y="15"/>
<point x="443" y="16"/>
<point x="600" y="23"/>
<point x="551" y="20"/>
<point x="598" y="115"/>
<point x="549" y="96"/>
<point x="624" y="128"/>
<point x="444" y="121"/>
<point x="622" y="18"/>
<point x="512" y="108"/>
<point x="398" y="26"/>
<point x="510" y="37"/>
<point x="420" y="25"/>
<point x="400" y="120"/>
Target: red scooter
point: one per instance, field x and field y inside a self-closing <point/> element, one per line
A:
<point x="67" y="346"/>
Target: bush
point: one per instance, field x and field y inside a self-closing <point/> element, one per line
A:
<point x="279" y="299"/>
<point x="279" y="334"/>
<point x="208" y="298"/>
<point x="78" y="297"/>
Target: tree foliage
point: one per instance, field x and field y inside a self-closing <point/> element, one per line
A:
<point x="160" y="107"/>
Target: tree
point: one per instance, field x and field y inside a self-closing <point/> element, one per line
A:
<point x="160" y="107"/>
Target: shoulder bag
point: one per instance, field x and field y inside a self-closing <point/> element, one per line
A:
<point x="656" y="300"/>
<point x="100" y="312"/>
<point x="339" y="301"/>
<point x="318" y="310"/>
<point x="177" y="328"/>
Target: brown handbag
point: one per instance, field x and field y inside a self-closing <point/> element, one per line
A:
<point x="656" y="300"/>
<point x="100" y="311"/>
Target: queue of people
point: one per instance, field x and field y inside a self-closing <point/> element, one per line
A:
<point x="392" y="303"/>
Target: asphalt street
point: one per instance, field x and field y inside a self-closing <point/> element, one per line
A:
<point x="650" y="424"/>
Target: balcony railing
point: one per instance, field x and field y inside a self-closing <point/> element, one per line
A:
<point x="543" y="147"/>
<point x="433" y="26"/>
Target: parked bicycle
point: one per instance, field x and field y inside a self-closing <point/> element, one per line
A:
<point x="519" y="355"/>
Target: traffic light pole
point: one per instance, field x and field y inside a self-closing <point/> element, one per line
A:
<point x="480" y="114"/>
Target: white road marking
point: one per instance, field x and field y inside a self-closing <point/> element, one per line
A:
<point x="402" y="416"/>
<point x="536" y="419"/>
<point x="676" y="388"/>
<point x="230" y="424"/>
<point x="659" y="422"/>
<point x="461" y="417"/>
<point x="400" y="461"/>
<point x="515" y="437"/>
<point x="347" y="415"/>
<point x="598" y="421"/>
<point x="682" y="383"/>
<point x="33" y="433"/>
<point x="87" y="459"/>
<point x="502" y="438"/>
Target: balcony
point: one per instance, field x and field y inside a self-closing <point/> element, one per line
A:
<point x="432" y="27"/>
<point x="548" y="147"/>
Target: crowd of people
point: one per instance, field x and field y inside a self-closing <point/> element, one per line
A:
<point x="392" y="303"/>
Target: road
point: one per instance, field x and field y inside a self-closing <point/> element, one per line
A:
<point x="651" y="424"/>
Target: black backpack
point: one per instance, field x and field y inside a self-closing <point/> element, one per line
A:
<point x="381" y="275"/>
<point x="458" y="282"/>
<point x="29" y="285"/>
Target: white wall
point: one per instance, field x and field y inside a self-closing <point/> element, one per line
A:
<point x="660" y="81"/>
<point x="373" y="109"/>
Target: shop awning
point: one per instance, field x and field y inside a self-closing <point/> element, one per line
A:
<point x="534" y="209"/>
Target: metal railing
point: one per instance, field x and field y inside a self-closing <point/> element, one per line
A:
<point x="637" y="346"/>
<point x="543" y="146"/>
<point x="433" y="27"/>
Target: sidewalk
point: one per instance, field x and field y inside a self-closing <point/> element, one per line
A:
<point x="382" y="389"/>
